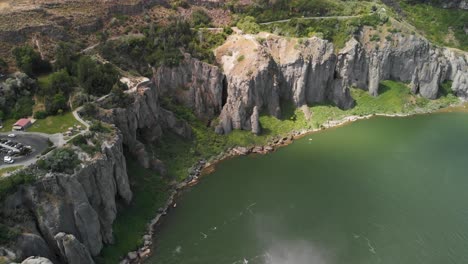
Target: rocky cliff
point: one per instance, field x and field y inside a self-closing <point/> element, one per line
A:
<point x="262" y="70"/>
<point x="195" y="84"/>
<point x="143" y="121"/>
<point x="68" y="218"/>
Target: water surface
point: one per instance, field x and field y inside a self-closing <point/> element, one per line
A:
<point x="384" y="190"/>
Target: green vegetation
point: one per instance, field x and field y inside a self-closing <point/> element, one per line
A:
<point x="7" y="234"/>
<point x="442" y="26"/>
<point x="180" y="154"/>
<point x="336" y="30"/>
<point x="150" y="192"/>
<point x="266" y="11"/>
<point x="9" y="169"/>
<point x="7" y="125"/>
<point x="88" y="143"/>
<point x="200" y="19"/>
<point x="98" y="126"/>
<point x="161" y="46"/>
<point x="55" y="124"/>
<point x="9" y="184"/>
<point x="96" y="79"/>
<point x="16" y="100"/>
<point x="3" y="65"/>
<point x="62" y="160"/>
<point x="248" y="25"/>
<point x="30" y="61"/>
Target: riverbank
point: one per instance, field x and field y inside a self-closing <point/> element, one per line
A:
<point x="188" y="161"/>
<point x="206" y="167"/>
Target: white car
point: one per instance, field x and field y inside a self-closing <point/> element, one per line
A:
<point x="8" y="159"/>
<point x="11" y="135"/>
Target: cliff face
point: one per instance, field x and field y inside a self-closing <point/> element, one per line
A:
<point x="143" y="122"/>
<point x="264" y="69"/>
<point x="70" y="216"/>
<point x="195" y="84"/>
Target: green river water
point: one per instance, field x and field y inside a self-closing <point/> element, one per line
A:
<point x="384" y="190"/>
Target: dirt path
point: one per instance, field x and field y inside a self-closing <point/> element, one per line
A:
<point x="310" y="18"/>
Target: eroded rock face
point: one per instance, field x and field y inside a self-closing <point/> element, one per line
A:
<point x="73" y="251"/>
<point x="195" y="84"/>
<point x="82" y="205"/>
<point x="262" y="70"/>
<point x="143" y="122"/>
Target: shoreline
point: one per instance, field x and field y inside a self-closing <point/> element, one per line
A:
<point x="204" y="168"/>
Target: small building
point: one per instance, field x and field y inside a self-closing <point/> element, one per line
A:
<point x="22" y="124"/>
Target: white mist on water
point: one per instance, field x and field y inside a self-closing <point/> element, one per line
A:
<point x="294" y="252"/>
<point x="271" y="233"/>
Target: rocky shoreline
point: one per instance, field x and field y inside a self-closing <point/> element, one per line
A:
<point x="203" y="168"/>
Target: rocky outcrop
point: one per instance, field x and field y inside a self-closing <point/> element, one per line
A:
<point x="71" y="216"/>
<point x="143" y="122"/>
<point x="36" y="260"/>
<point x="263" y="70"/>
<point x="72" y="249"/>
<point x="461" y="4"/>
<point x="195" y="84"/>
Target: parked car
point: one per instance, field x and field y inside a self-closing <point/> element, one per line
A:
<point x="11" y="135"/>
<point x="8" y="159"/>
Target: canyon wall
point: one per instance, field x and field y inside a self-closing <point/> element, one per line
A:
<point x="262" y="70"/>
<point x="195" y="84"/>
<point x="68" y="218"/>
<point x="143" y="121"/>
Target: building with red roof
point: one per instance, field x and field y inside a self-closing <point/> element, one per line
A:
<point x="22" y="124"/>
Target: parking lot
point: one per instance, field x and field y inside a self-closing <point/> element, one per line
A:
<point x="21" y="148"/>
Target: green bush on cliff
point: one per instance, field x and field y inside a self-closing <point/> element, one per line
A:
<point x="9" y="184"/>
<point x="62" y="160"/>
<point x="30" y="61"/>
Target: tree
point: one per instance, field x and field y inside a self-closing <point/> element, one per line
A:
<point x="23" y="107"/>
<point x="64" y="57"/>
<point x="29" y="61"/>
<point x="96" y="79"/>
<point x="3" y="65"/>
<point x="56" y="103"/>
<point x="200" y="18"/>
<point x="61" y="160"/>
<point x="60" y="82"/>
<point x="248" y="25"/>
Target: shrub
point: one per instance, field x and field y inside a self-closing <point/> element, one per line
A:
<point x="95" y="78"/>
<point x="200" y="18"/>
<point x="40" y="115"/>
<point x="29" y="61"/>
<point x="240" y="58"/>
<point x="3" y="65"/>
<point x="61" y="160"/>
<point x="248" y="25"/>
<point x="99" y="127"/>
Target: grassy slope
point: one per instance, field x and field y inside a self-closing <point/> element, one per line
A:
<point x="54" y="124"/>
<point x="434" y="22"/>
<point x="9" y="169"/>
<point x="149" y="193"/>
